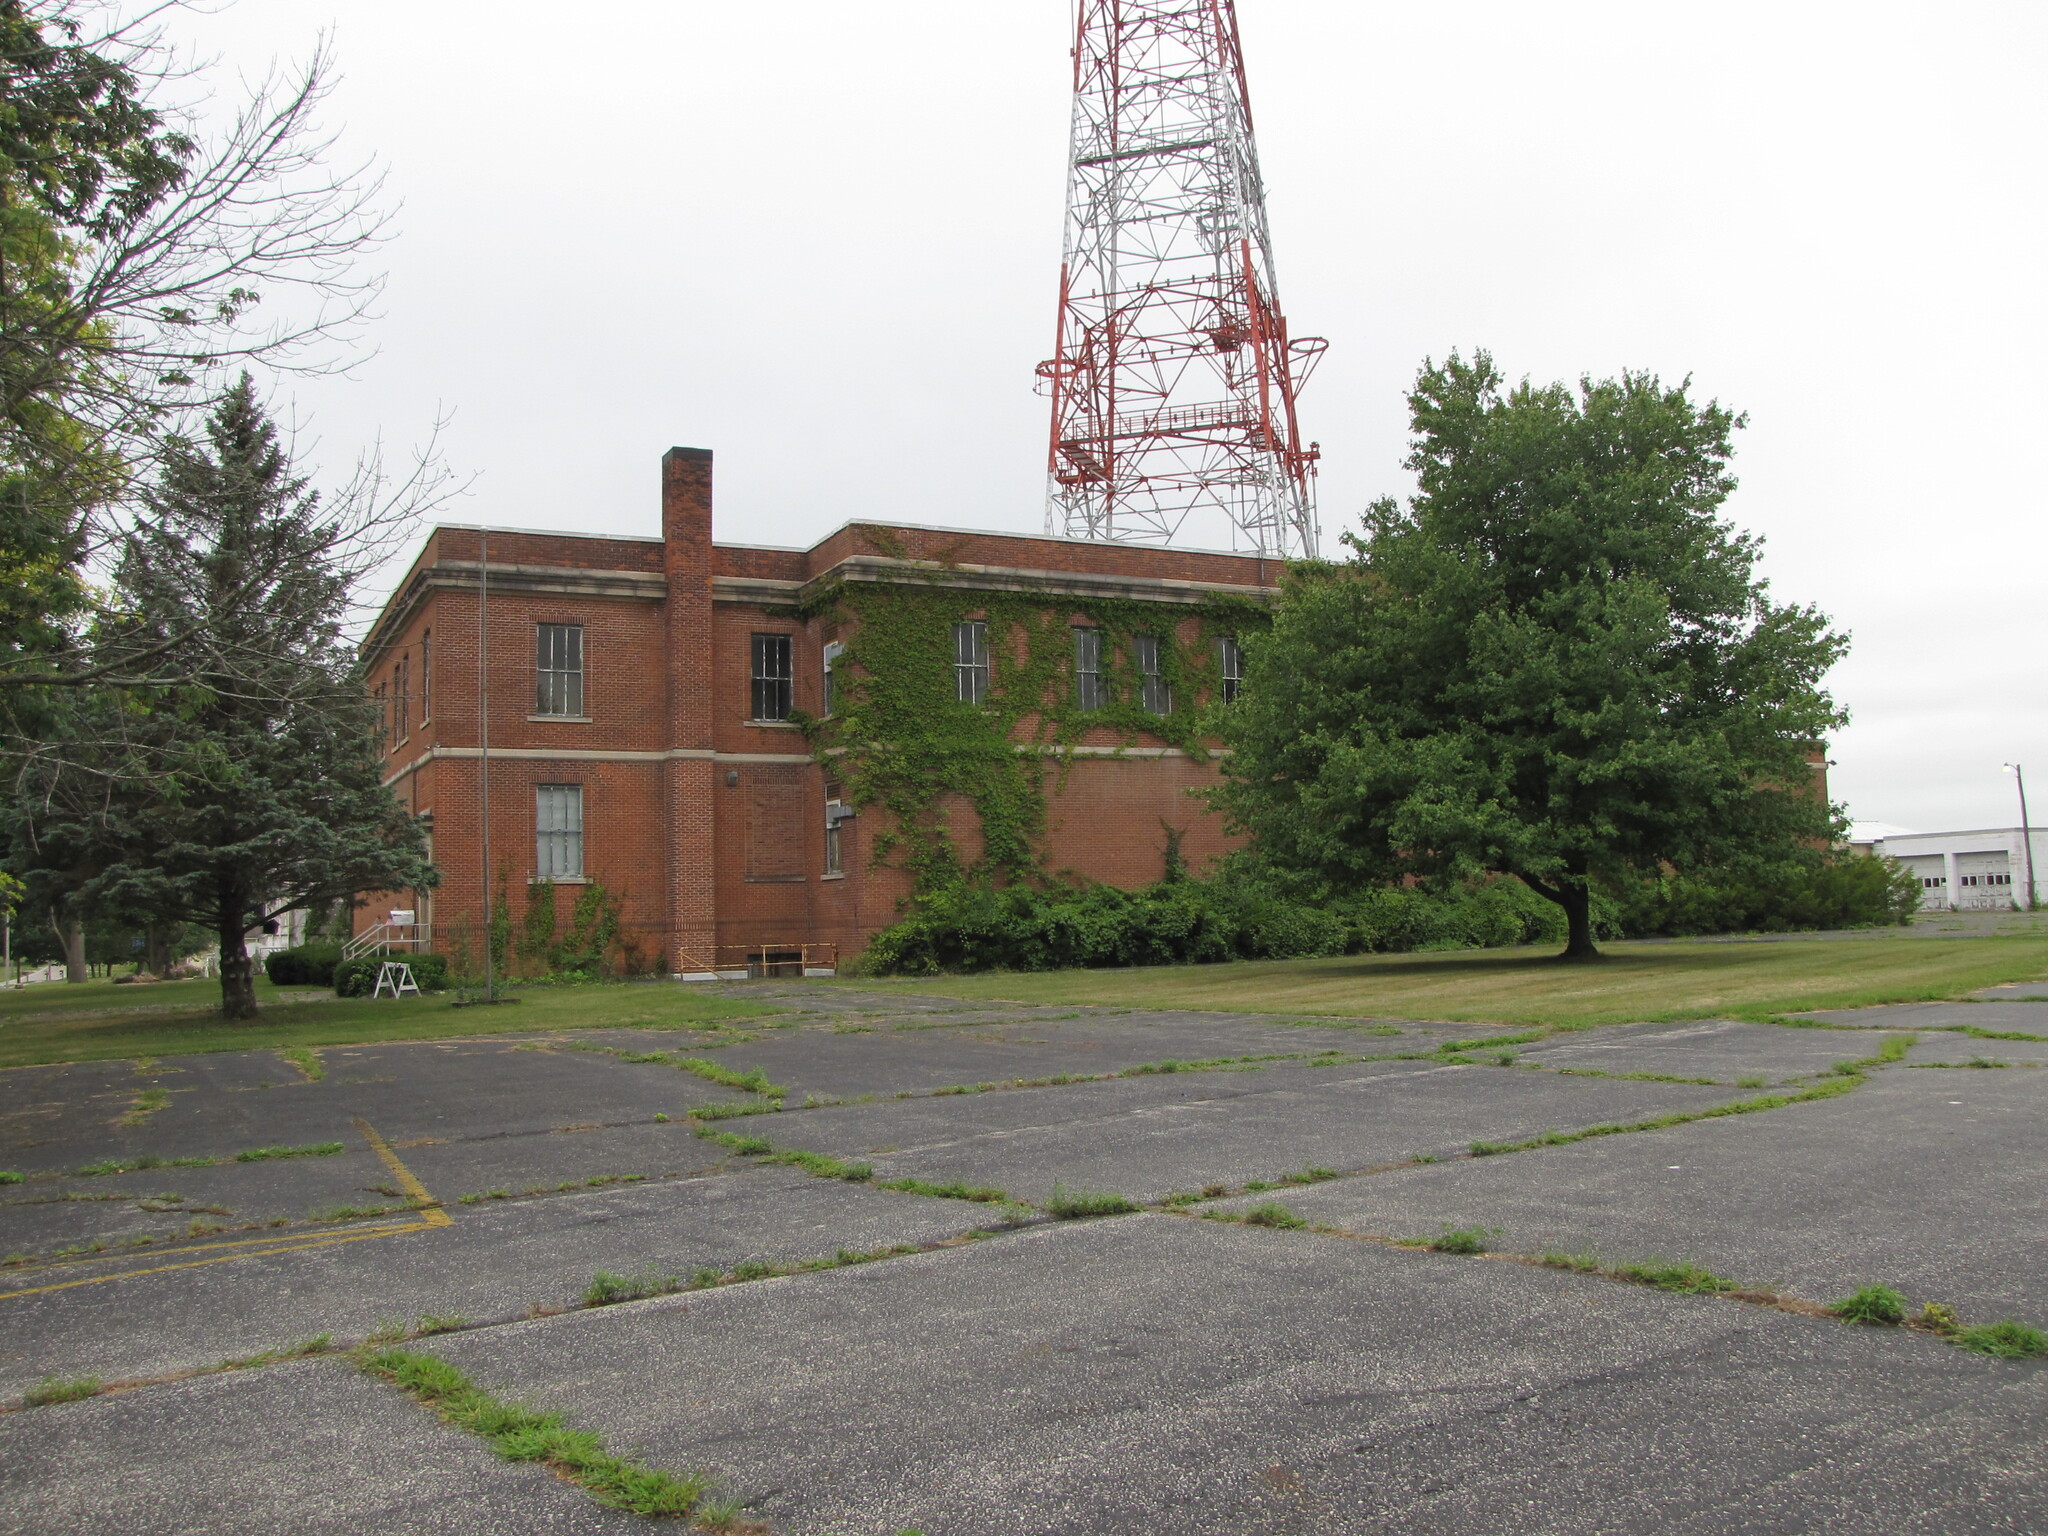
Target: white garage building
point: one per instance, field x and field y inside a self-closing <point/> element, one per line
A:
<point x="1969" y="871"/>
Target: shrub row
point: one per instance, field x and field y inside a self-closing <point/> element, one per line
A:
<point x="358" y="977"/>
<point x="971" y="928"/>
<point x="1840" y="892"/>
<point x="321" y="965"/>
<point x="309" y="965"/>
<point x="1239" y="916"/>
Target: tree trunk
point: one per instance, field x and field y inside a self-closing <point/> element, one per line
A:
<point x="157" y="950"/>
<point x="1577" y="901"/>
<point x="71" y="934"/>
<point x="237" y="971"/>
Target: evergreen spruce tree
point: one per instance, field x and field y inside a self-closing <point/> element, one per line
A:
<point x="256" y="789"/>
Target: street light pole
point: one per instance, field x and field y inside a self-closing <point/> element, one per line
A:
<point x="483" y="745"/>
<point x="2026" y="831"/>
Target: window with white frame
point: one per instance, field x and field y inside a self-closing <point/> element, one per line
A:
<point x="1153" y="691"/>
<point x="558" y="831"/>
<point x="426" y="676"/>
<point x="558" y="669"/>
<point x="831" y="661"/>
<point x="1089" y="692"/>
<point x="772" y="678"/>
<point x="970" y="661"/>
<point x="1230" y="666"/>
<point x="836" y="812"/>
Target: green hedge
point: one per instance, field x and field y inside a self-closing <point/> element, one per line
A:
<point x="968" y="928"/>
<point x="1239" y="916"/>
<point x="309" y="965"/>
<point x="1840" y="891"/>
<point x="358" y="977"/>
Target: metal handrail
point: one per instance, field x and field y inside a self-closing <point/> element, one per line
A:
<point x="385" y="937"/>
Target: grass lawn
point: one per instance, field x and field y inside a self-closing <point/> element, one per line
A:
<point x="95" y="1020"/>
<point x="1631" y="982"/>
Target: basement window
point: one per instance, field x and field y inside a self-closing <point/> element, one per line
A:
<point x="970" y="662"/>
<point x="558" y="669"/>
<point x="1153" y="691"/>
<point x="772" y="686"/>
<point x="558" y="831"/>
<point x="1089" y="692"/>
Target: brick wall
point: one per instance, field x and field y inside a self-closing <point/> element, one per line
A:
<point x="710" y="828"/>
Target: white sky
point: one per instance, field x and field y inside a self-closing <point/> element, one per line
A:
<point x="822" y="239"/>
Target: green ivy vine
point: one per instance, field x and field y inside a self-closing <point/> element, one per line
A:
<point x="899" y="741"/>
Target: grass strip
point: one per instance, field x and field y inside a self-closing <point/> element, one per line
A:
<point x="607" y="1289"/>
<point x="267" y="1154"/>
<point x="1638" y="1077"/>
<point x="148" y="1160"/>
<point x="1834" y="1087"/>
<point x="1074" y="1204"/>
<point x="310" y="1066"/>
<point x="1990" y="1034"/>
<point x="954" y="1191"/>
<point x="1153" y="1069"/>
<point x="147" y="1103"/>
<point x="754" y="1081"/>
<point x="61" y="1389"/>
<point x="519" y="1433"/>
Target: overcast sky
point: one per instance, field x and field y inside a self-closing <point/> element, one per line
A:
<point x="822" y="239"/>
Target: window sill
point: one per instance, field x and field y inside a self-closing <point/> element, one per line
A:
<point x="774" y="725"/>
<point x="565" y="719"/>
<point x="558" y="879"/>
<point x="840" y="876"/>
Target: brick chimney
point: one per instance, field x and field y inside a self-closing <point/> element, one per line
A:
<point x="688" y="773"/>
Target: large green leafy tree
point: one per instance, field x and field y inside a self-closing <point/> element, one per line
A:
<point x="81" y="158"/>
<point x="141" y="269"/>
<point x="1556" y="662"/>
<point x="254" y="789"/>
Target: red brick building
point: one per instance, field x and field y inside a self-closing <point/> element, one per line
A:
<point x="640" y="696"/>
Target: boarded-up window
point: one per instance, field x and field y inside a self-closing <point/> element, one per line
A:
<point x="775" y="822"/>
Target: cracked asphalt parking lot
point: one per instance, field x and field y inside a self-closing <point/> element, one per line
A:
<point x="992" y="1367"/>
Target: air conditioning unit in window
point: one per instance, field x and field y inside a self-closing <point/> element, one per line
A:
<point x="837" y="811"/>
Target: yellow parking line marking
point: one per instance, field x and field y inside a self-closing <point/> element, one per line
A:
<point x="118" y="1255"/>
<point x="430" y="1208"/>
<point x="430" y="1215"/>
<point x="225" y="1258"/>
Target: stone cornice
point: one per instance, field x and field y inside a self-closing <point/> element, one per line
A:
<point x="651" y="586"/>
<point x="1002" y="578"/>
<point x="550" y="580"/>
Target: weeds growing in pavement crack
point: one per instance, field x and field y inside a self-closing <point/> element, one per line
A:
<point x="1830" y="1087"/>
<point x="310" y="1066"/>
<point x="1876" y="1304"/>
<point x="953" y="1191"/>
<point x="1072" y="1204"/>
<point x="1272" y="1213"/>
<point x="608" y="1289"/>
<point x="265" y="1154"/>
<point x="147" y="1103"/>
<point x="519" y="1433"/>
<point x="2006" y="1340"/>
<point x="61" y="1389"/>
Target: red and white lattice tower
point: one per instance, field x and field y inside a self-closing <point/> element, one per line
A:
<point x="1174" y="383"/>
